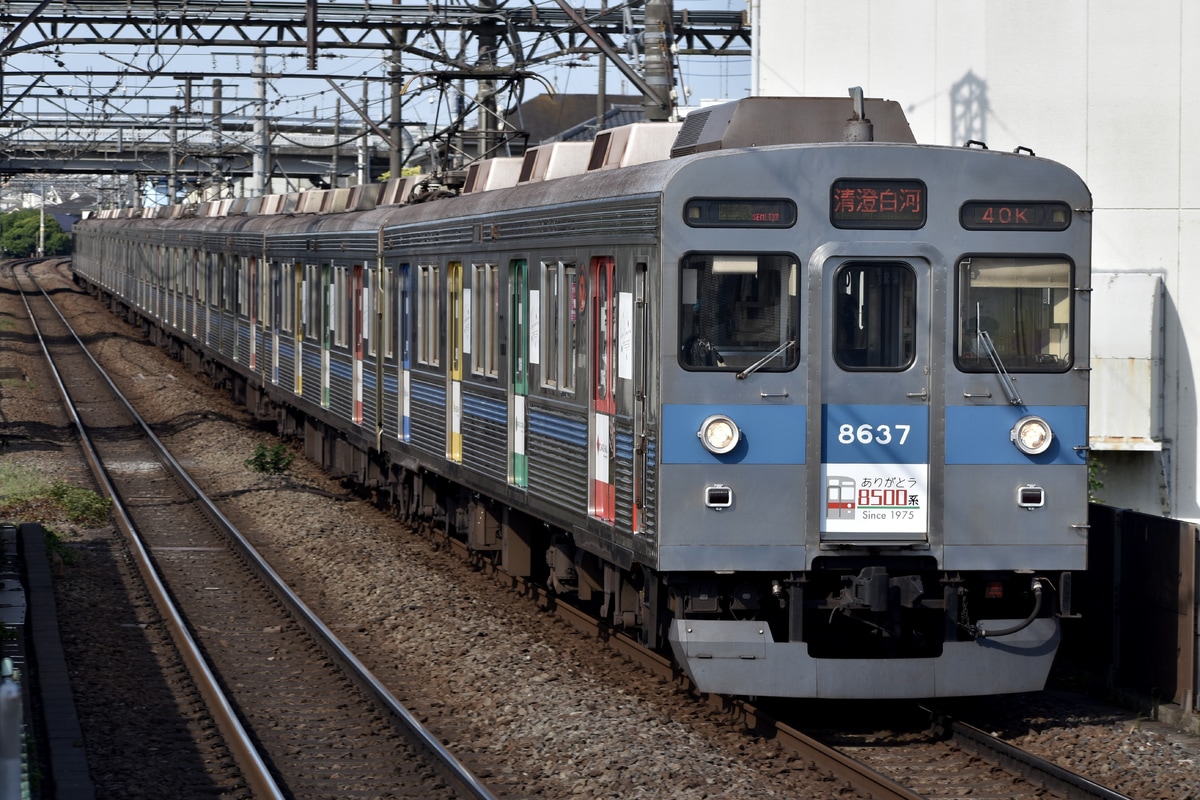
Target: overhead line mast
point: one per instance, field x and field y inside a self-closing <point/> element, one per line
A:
<point x="502" y="45"/>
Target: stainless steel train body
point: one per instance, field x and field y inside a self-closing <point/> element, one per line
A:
<point x="813" y="416"/>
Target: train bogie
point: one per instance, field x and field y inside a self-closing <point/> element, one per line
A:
<point x="812" y="416"/>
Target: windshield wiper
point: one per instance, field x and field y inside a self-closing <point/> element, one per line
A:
<point x="750" y="370"/>
<point x="1010" y="388"/>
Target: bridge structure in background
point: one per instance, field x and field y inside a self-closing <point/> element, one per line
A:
<point x="61" y="116"/>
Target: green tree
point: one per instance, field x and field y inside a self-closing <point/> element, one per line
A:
<point x="19" y="234"/>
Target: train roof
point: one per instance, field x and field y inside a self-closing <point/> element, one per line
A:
<point x="642" y="154"/>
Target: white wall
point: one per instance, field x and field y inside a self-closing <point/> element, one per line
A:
<point x="1107" y="87"/>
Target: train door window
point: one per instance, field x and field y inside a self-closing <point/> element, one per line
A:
<point x="875" y="316"/>
<point x="243" y="286"/>
<point x="181" y="284"/>
<point x="360" y="284"/>
<point x="345" y="306"/>
<point x="340" y="302"/>
<point x="428" y="313"/>
<point x="485" y="304"/>
<point x="287" y="300"/>
<point x="604" y="335"/>
<point x="518" y="370"/>
<point x="1014" y="313"/>
<point x="454" y="277"/>
<point x="518" y="279"/>
<point x="404" y="321"/>
<point x="739" y="310"/>
<point x="571" y="306"/>
<point x="331" y="310"/>
<point x="387" y="344"/>
<point x="312" y="302"/>
<point x="229" y="298"/>
<point x="266" y="304"/>
<point x="210" y="280"/>
<point x="256" y="289"/>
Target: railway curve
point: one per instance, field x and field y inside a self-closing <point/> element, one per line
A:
<point x="300" y="715"/>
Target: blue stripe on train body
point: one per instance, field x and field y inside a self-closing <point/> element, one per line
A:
<point x="980" y="435"/>
<point x="769" y="434"/>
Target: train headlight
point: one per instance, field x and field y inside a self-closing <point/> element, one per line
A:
<point x="719" y="434"/>
<point x="1031" y="435"/>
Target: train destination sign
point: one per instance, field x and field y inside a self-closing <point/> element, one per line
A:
<point x="721" y="212"/>
<point x="868" y="204"/>
<point x="983" y="215"/>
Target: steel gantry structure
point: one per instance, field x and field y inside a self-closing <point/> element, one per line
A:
<point x="476" y="57"/>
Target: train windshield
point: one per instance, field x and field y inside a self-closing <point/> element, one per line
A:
<point x="1014" y="311"/>
<point x="737" y="311"/>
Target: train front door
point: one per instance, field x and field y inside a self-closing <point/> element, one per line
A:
<point x="877" y="384"/>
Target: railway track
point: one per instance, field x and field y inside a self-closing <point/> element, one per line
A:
<point x="938" y="758"/>
<point x="935" y="756"/>
<point x="301" y="717"/>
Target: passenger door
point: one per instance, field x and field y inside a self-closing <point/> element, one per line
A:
<point x="603" y="373"/>
<point x="518" y="371"/>
<point x="454" y="372"/>
<point x="359" y="304"/>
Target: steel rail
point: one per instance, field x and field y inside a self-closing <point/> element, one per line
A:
<point x="1038" y="770"/>
<point x="254" y="769"/>
<point x="861" y="777"/>
<point x="463" y="779"/>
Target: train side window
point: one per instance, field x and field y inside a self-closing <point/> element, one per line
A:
<point x="738" y="310"/>
<point x="875" y="316"/>
<point x="551" y="293"/>
<point x="1016" y="311"/>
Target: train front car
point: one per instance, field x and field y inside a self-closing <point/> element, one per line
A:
<point x="873" y="478"/>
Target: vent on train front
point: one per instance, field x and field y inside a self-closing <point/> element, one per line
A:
<point x="761" y="121"/>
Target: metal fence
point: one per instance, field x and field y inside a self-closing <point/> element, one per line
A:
<point x="1138" y="604"/>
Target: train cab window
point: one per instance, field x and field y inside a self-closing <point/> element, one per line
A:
<point x="874" y="316"/>
<point x="1014" y="314"/>
<point x="738" y="311"/>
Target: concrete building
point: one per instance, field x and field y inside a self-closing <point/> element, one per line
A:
<point x="1108" y="88"/>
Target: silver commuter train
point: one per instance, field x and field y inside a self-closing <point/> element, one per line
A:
<point x="811" y="413"/>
